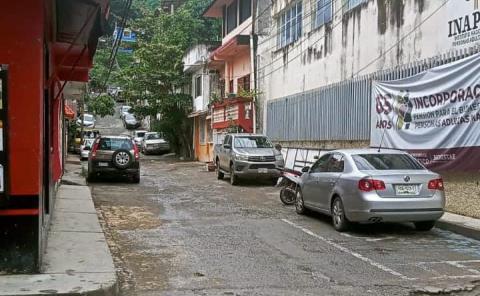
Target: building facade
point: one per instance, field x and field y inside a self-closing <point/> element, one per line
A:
<point x="317" y="59"/>
<point x="204" y="75"/>
<point x="232" y="105"/>
<point x="45" y="43"/>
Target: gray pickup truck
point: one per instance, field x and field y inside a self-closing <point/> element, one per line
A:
<point x="248" y="156"/>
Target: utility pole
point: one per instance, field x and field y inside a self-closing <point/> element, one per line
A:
<point x="253" y="52"/>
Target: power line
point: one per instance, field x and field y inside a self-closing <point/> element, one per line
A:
<point x="373" y="61"/>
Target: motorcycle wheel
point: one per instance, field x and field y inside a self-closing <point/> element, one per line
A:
<point x="286" y="197"/>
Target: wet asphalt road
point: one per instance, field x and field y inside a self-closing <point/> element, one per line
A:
<point x="183" y="232"/>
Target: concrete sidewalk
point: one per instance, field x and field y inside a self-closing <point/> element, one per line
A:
<point x="77" y="259"/>
<point x="466" y="226"/>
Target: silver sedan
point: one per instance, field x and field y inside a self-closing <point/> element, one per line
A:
<point x="371" y="186"/>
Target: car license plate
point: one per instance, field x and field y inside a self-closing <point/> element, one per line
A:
<point x="263" y="170"/>
<point x="406" y="189"/>
<point x="103" y="164"/>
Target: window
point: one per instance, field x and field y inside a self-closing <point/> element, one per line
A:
<point x="115" y="144"/>
<point x="198" y="86"/>
<point x="289" y="25"/>
<point x="230" y="86"/>
<point x="336" y="163"/>
<point x="252" y="142"/>
<point x="243" y="83"/>
<point x="226" y="139"/>
<point x="231" y="16"/>
<point x="368" y="162"/>
<point x="323" y="12"/>
<point x="350" y="4"/>
<point x="245" y="10"/>
<point x="152" y="136"/>
<point x="321" y="164"/>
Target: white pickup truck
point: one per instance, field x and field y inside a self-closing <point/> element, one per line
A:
<point x="248" y="156"/>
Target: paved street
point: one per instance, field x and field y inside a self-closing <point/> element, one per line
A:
<point x="182" y="232"/>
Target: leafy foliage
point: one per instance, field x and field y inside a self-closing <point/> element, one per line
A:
<point x="102" y="105"/>
<point x="156" y="78"/>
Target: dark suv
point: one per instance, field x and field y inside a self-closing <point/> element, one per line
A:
<point x="116" y="155"/>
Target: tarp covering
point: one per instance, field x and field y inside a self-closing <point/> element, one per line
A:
<point x="435" y="115"/>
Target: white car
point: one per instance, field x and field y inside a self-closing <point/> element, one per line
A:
<point x="88" y="120"/>
<point x="124" y="110"/>
<point x="138" y="137"/>
<point x="85" y="148"/>
<point x="154" y="143"/>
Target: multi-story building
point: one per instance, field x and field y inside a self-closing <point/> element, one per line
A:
<point x="317" y="60"/>
<point x="232" y="106"/>
<point x="204" y="84"/>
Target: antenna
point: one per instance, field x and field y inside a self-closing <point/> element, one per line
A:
<point x="381" y="141"/>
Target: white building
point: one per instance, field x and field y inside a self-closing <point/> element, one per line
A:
<point x="204" y="82"/>
<point x="316" y="60"/>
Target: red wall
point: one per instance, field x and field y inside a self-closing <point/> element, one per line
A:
<point x="21" y="47"/>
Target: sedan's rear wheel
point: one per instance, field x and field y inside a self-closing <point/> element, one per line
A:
<point x="340" y="221"/>
<point x="424" y="225"/>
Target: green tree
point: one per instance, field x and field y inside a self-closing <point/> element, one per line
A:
<point x="102" y="105"/>
<point x="157" y="76"/>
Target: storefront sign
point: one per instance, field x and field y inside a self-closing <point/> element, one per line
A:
<point x="463" y="23"/>
<point x="434" y="114"/>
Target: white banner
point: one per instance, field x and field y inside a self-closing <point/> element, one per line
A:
<point x="434" y="114"/>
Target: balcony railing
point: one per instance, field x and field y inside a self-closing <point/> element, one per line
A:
<point x="233" y="112"/>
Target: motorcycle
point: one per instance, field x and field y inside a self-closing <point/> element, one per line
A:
<point x="289" y="182"/>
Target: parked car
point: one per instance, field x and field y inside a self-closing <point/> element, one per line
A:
<point x="248" y="156"/>
<point x="85" y="148"/>
<point x="153" y="142"/>
<point x="85" y="133"/>
<point x="116" y="155"/>
<point x="367" y="185"/>
<point x="138" y="137"/>
<point x="88" y="120"/>
<point x="124" y="110"/>
<point x="130" y="121"/>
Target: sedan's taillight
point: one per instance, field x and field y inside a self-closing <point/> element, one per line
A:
<point x="370" y="185"/>
<point x="436" y="184"/>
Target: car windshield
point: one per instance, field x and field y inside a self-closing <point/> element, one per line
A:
<point x="369" y="162"/>
<point x="115" y="144"/>
<point x="126" y="108"/>
<point x="252" y="142"/>
<point x="88" y="117"/>
<point x="140" y="134"/>
<point x="153" y="136"/>
<point x="129" y="116"/>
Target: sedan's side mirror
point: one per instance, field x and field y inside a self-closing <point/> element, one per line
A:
<point x="227" y="146"/>
<point x="305" y="169"/>
<point x="316" y="157"/>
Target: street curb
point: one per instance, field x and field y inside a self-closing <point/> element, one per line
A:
<point x="459" y="229"/>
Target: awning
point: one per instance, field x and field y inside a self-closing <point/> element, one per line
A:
<point x="232" y="47"/>
<point x="68" y="112"/>
<point x="77" y="27"/>
<point x="215" y="9"/>
<point x="197" y="113"/>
